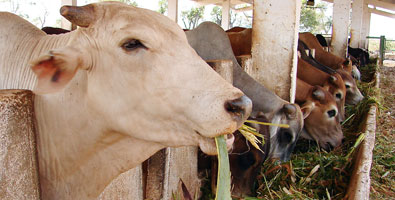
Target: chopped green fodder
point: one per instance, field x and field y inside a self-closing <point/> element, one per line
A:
<point x="313" y="173"/>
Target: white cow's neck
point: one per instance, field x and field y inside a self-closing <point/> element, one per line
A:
<point x="84" y="166"/>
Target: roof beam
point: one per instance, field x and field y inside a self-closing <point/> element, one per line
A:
<point x="219" y="2"/>
<point x="207" y="2"/>
<point x="376" y="3"/>
<point x="382" y="4"/>
<point x="379" y="12"/>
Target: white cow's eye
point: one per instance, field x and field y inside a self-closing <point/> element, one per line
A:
<point x="132" y="44"/>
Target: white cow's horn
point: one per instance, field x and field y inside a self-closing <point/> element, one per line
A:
<point x="80" y="15"/>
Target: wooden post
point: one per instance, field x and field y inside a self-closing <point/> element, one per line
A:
<point x="245" y="61"/>
<point x="341" y="20"/>
<point x="223" y="67"/>
<point x="127" y="186"/>
<point x="172" y="9"/>
<point x="225" y="14"/>
<point x="356" y="23"/>
<point x="18" y="154"/>
<point x="275" y="58"/>
<point x="166" y="168"/>
<point x="365" y="26"/>
<point x="64" y="23"/>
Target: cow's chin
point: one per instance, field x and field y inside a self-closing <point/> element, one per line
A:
<point x="208" y="146"/>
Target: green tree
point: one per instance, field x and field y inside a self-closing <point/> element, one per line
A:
<point x="192" y="17"/>
<point x="216" y="15"/>
<point x="313" y="19"/>
<point x="236" y="19"/>
<point x="162" y="7"/>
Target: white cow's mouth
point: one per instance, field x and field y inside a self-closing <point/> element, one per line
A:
<point x="208" y="146"/>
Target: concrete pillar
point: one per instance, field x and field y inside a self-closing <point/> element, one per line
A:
<point x="225" y="14"/>
<point x="274" y="45"/>
<point x="18" y="152"/>
<point x="356" y="23"/>
<point x="172" y="10"/>
<point x="365" y="26"/>
<point x="341" y="21"/>
<point x="64" y="23"/>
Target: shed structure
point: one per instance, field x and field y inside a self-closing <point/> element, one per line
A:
<point x="274" y="65"/>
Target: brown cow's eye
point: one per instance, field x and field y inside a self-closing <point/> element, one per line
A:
<point x="347" y="86"/>
<point x="339" y="96"/>
<point x="331" y="113"/>
<point x="133" y="44"/>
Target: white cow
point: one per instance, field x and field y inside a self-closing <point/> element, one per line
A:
<point x="112" y="93"/>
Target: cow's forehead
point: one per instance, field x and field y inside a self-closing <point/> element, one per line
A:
<point x="130" y="18"/>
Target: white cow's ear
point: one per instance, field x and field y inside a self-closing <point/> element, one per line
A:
<point x="56" y="69"/>
<point x="306" y="109"/>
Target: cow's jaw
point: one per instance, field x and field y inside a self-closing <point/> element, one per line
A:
<point x="208" y="145"/>
<point x="91" y="158"/>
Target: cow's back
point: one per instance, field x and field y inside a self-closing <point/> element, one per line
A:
<point x="18" y="41"/>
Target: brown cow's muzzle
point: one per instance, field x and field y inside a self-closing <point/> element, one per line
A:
<point x="239" y="108"/>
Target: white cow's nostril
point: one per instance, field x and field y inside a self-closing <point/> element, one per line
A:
<point x="240" y="108"/>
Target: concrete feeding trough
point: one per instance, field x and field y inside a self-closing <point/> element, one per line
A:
<point x="359" y="187"/>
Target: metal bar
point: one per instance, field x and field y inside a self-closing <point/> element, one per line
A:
<point x="382" y="49"/>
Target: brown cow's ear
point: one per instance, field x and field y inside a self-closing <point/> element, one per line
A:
<point x="56" y="69"/>
<point x="318" y="94"/>
<point x="306" y="109"/>
<point x="332" y="79"/>
<point x="346" y="62"/>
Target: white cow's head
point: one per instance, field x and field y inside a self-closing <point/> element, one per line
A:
<point x="143" y="78"/>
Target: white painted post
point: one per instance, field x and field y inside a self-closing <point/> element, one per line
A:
<point x="365" y="26"/>
<point x="356" y="23"/>
<point x="274" y="45"/>
<point x="225" y="14"/>
<point x="172" y="10"/>
<point x="64" y="23"/>
<point x="341" y="21"/>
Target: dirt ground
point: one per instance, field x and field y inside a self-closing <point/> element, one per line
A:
<point x="383" y="167"/>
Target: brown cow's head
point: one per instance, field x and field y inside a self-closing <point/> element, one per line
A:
<point x="322" y="124"/>
<point x="141" y="78"/>
<point x="335" y="85"/>
<point x="246" y="161"/>
<point x="353" y="95"/>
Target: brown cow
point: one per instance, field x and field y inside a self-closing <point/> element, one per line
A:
<point x="241" y="42"/>
<point x="353" y="95"/>
<point x="321" y="125"/>
<point x="324" y="57"/>
<point x="332" y="83"/>
<point x="236" y="29"/>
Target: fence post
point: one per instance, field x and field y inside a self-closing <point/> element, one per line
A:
<point x="382" y="49"/>
<point x="18" y="154"/>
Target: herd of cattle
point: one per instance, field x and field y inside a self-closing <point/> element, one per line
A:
<point x="130" y="82"/>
